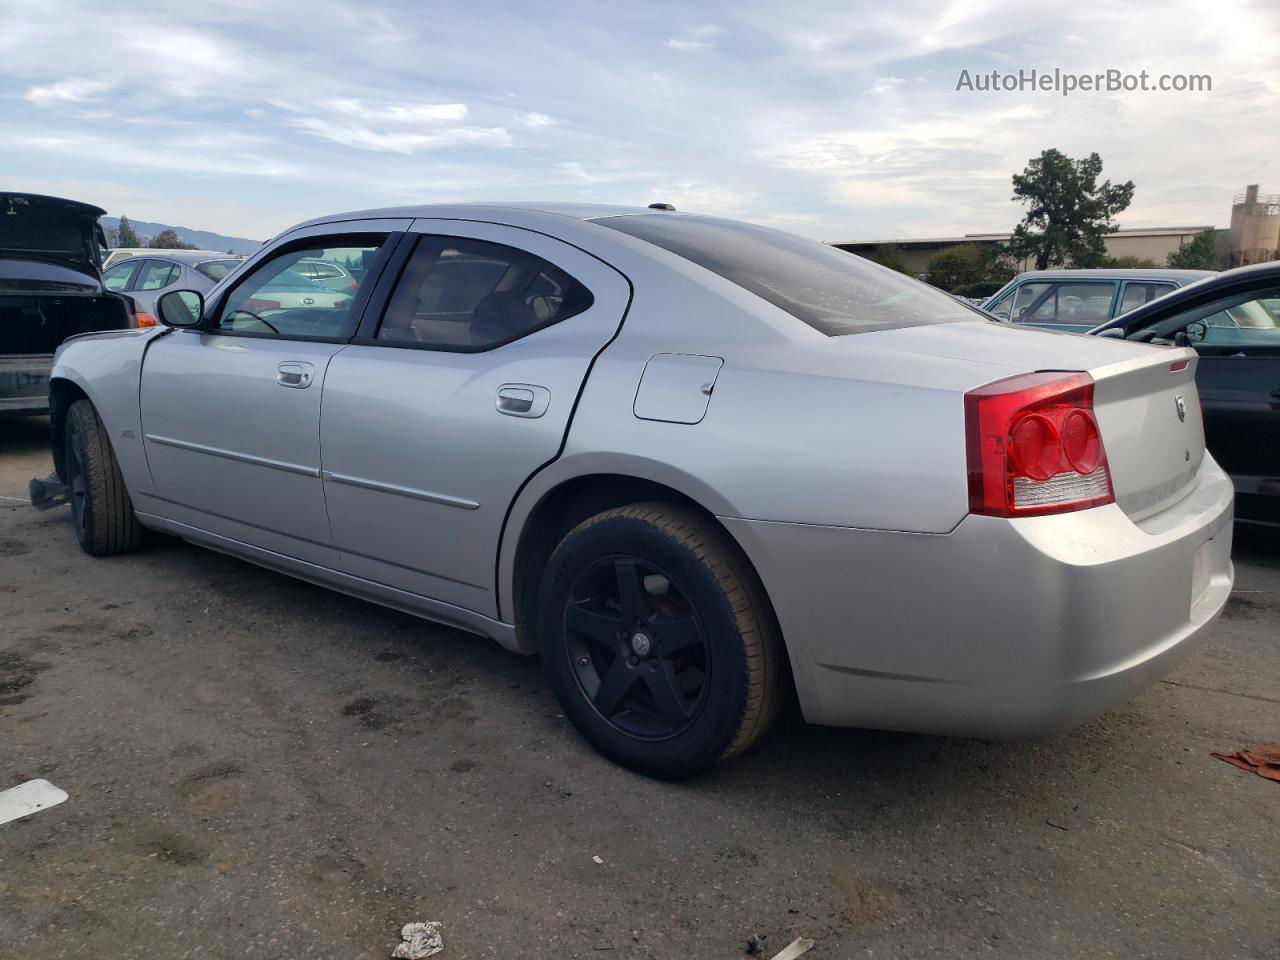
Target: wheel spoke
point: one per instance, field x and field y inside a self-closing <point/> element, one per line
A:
<point x="614" y="687"/>
<point x="663" y="685"/>
<point x="676" y="634"/>
<point x="630" y="591"/>
<point x="598" y="625"/>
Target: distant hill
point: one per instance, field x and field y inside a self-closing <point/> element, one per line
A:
<point x="203" y="239"/>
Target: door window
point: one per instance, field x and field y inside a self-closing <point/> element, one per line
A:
<point x="157" y="274"/>
<point x="1136" y="293"/>
<point x="280" y="299"/>
<point x="1243" y="324"/>
<point x="1067" y="302"/>
<point x="117" y="277"/>
<point x="466" y="295"/>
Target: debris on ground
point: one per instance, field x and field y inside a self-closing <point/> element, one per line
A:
<point x="755" y="944"/>
<point x="597" y="859"/>
<point x="798" y="946"/>
<point x="1264" y="760"/>
<point x="420" y="940"/>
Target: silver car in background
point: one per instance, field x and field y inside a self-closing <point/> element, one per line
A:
<point x="699" y="465"/>
<point x="147" y="274"/>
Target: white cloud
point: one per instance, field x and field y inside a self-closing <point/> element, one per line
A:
<point x="694" y="38"/>
<point x="887" y="84"/>
<point x="533" y="120"/>
<point x="397" y="127"/>
<point x="80" y="90"/>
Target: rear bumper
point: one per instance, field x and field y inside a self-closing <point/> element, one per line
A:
<point x="1001" y="627"/>
<point x="24" y="384"/>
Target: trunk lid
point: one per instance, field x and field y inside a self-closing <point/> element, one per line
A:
<point x="51" y="230"/>
<point x="1145" y="398"/>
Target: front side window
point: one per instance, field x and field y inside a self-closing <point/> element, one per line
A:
<point x="278" y="299"/>
<point x="834" y="292"/>
<point x="464" y="295"/>
<point x="1240" y="325"/>
<point x="1071" y="302"/>
<point x="117" y="277"/>
<point x="157" y="274"/>
<point x="1138" y="293"/>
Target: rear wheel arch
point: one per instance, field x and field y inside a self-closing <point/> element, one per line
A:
<point x="573" y="500"/>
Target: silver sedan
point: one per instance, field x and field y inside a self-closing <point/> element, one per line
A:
<point x="698" y="465"/>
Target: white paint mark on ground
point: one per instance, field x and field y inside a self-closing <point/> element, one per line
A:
<point x="28" y="798"/>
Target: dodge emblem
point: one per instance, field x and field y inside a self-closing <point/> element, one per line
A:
<point x="1182" y="407"/>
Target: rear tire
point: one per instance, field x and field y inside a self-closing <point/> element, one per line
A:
<point x="658" y="641"/>
<point x="101" y="510"/>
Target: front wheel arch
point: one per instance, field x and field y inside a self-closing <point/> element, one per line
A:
<point x="62" y="394"/>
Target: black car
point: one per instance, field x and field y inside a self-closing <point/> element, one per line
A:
<point x="1233" y="321"/>
<point x="50" y="289"/>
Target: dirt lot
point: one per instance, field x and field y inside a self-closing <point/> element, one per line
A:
<point x="259" y="768"/>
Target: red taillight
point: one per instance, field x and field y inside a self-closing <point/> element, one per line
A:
<point x="144" y="319"/>
<point x="254" y="305"/>
<point x="1034" y="446"/>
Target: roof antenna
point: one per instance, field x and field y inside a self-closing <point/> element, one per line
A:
<point x="661" y="206"/>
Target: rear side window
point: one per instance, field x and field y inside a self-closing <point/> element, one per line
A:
<point x="834" y="292"/>
<point x="217" y="269"/>
<point x="467" y="295"/>
<point x="156" y="275"/>
<point x="1136" y="294"/>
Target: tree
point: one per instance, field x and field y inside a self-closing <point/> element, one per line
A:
<point x="970" y="266"/>
<point x="1068" y="211"/>
<point x="955" y="266"/>
<point x="889" y="255"/>
<point x="1198" y="254"/>
<point x="125" y="235"/>
<point x="168" y="240"/>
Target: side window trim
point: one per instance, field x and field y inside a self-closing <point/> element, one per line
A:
<point x="359" y="306"/>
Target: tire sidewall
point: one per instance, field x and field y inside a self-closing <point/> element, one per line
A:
<point x="721" y="713"/>
<point x="77" y="425"/>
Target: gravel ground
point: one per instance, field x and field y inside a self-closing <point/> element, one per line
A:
<point x="260" y="768"/>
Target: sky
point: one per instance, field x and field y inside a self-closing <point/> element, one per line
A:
<point x="840" y="121"/>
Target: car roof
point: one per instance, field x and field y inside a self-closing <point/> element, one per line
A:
<point x="1120" y="273"/>
<point x="516" y="212"/>
<point x="190" y="257"/>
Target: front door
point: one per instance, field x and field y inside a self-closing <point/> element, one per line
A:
<point x="434" y="420"/>
<point x="231" y="412"/>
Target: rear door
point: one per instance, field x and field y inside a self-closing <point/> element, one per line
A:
<point x="442" y="407"/>
<point x="231" y="412"/>
<point x="153" y="278"/>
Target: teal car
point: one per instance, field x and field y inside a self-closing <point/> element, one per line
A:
<point x="1076" y="301"/>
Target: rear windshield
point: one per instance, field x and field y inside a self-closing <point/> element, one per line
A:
<point x="832" y="291"/>
<point x="217" y="269"/>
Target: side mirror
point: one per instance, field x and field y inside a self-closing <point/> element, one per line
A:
<point x="1196" y="332"/>
<point x="180" y="308"/>
<point x="1116" y="333"/>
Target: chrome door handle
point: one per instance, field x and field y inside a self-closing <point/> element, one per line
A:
<point x="294" y="373"/>
<point x="523" y="400"/>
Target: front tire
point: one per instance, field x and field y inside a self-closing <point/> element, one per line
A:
<point x="658" y="641"/>
<point x="101" y="510"/>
